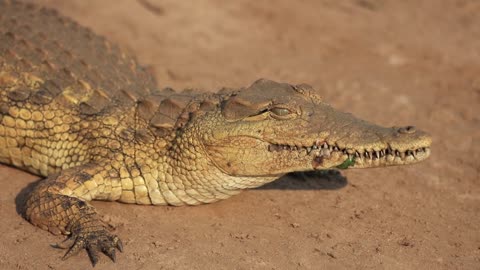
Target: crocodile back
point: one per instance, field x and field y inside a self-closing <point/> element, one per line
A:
<point x="46" y="57"/>
<point x="61" y="88"/>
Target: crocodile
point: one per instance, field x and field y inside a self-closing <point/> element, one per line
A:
<point x="82" y="113"/>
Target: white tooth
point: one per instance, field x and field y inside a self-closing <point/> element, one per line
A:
<point x="325" y="145"/>
<point x="315" y="147"/>
<point x="359" y="161"/>
<point x="325" y="152"/>
<point x="309" y="149"/>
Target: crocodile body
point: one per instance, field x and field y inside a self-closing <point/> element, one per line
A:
<point x="82" y="113"/>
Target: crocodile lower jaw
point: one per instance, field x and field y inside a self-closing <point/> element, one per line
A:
<point x="363" y="158"/>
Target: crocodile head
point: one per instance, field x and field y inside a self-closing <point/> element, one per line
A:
<point x="270" y="129"/>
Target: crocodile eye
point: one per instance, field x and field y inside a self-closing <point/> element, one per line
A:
<point x="280" y="111"/>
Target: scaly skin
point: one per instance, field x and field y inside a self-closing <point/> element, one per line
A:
<point x="81" y="112"/>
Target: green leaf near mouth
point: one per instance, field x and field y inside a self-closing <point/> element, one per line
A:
<point x="347" y="163"/>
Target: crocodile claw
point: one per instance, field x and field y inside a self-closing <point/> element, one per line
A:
<point x="94" y="242"/>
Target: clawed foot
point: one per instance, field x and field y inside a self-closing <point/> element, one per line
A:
<point x="93" y="241"/>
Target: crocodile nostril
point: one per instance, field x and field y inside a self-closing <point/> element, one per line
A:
<point x="407" y="130"/>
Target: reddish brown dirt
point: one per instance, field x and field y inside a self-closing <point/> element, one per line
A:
<point x="391" y="62"/>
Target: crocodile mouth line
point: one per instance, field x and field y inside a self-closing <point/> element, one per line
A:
<point x="388" y="154"/>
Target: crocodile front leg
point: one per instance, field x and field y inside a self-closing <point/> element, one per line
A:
<point x="60" y="205"/>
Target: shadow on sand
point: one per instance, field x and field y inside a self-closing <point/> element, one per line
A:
<point x="314" y="180"/>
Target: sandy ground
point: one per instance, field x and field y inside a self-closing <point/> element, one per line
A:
<point x="391" y="62"/>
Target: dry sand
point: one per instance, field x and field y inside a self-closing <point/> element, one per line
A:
<point x="392" y="62"/>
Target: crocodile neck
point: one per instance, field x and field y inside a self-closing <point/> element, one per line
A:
<point x="186" y="176"/>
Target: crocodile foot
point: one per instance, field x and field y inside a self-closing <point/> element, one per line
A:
<point x="94" y="239"/>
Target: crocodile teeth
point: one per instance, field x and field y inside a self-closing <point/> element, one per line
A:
<point x="325" y="152"/>
<point x="321" y="148"/>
